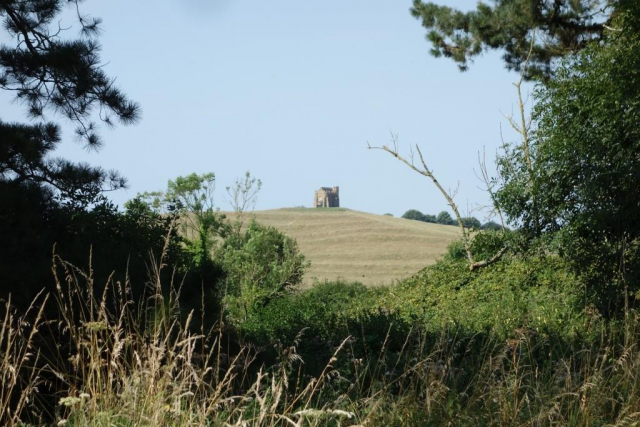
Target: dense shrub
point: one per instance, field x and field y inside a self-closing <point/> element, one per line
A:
<point x="33" y="221"/>
<point x="455" y="251"/>
<point x="430" y="218"/>
<point x="260" y="264"/>
<point x="471" y="222"/>
<point x="576" y="181"/>
<point x="483" y="245"/>
<point x="491" y="225"/>
<point x="413" y="214"/>
<point x="538" y="294"/>
<point x="127" y="369"/>
<point x="419" y="216"/>
<point x="445" y="218"/>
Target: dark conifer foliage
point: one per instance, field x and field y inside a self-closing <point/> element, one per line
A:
<point x="24" y="159"/>
<point x="51" y="73"/>
<point x="561" y="27"/>
<point x="44" y="200"/>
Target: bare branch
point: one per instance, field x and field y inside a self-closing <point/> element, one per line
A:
<point x="476" y="265"/>
<point x="524" y="132"/>
<point x="243" y="196"/>
<point x="424" y="170"/>
<point x="489" y="184"/>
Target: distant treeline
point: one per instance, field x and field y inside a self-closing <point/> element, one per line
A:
<point x="445" y="218"/>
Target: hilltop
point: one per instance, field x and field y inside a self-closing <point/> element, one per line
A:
<point x="359" y="246"/>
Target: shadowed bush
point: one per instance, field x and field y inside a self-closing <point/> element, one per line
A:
<point x="136" y="364"/>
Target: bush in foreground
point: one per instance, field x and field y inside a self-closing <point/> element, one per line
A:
<point x="136" y="364"/>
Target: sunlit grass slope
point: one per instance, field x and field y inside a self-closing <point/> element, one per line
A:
<point x="351" y="245"/>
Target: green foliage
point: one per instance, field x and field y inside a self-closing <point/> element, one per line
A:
<point x="32" y="224"/>
<point x="243" y="195"/>
<point x="449" y="346"/>
<point x="46" y="200"/>
<point x="418" y="216"/>
<point x="202" y="224"/>
<point x="586" y="170"/>
<point x="487" y="243"/>
<point x="562" y="27"/>
<point x="484" y="244"/>
<point x="455" y="251"/>
<point x="540" y="294"/>
<point x="51" y="73"/>
<point x="445" y="218"/>
<point x="430" y="218"/>
<point x="247" y="267"/>
<point x="319" y="311"/>
<point x="261" y="264"/>
<point x="413" y="214"/>
<point x="419" y="361"/>
<point x="491" y="225"/>
<point x="471" y="222"/>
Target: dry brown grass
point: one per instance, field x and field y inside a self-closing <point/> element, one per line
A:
<point x="352" y="245"/>
<point x="129" y="363"/>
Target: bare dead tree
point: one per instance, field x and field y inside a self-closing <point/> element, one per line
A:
<point x="424" y="170"/>
<point x="489" y="185"/>
<point x="523" y="128"/>
<point x="243" y="195"/>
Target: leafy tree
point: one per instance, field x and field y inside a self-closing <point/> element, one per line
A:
<point x="586" y="167"/>
<point x="491" y="225"/>
<point x="471" y="222"/>
<point x="192" y="197"/>
<point x="430" y="218"/>
<point x="565" y="27"/>
<point x="413" y="214"/>
<point x="261" y="264"/>
<point x="445" y="218"/>
<point x="243" y="195"/>
<point x="419" y="216"/>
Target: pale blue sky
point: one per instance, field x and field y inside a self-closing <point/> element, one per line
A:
<point x="292" y="91"/>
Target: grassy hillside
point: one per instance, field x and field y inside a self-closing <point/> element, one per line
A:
<point x="351" y="245"/>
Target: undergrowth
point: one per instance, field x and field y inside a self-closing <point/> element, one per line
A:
<point x="358" y="357"/>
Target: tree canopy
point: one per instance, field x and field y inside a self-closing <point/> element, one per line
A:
<point x="491" y="225"/>
<point x="471" y="222"/>
<point x="445" y="218"/>
<point x="45" y="200"/>
<point x="585" y="190"/>
<point x="50" y="73"/>
<point x="561" y="27"/>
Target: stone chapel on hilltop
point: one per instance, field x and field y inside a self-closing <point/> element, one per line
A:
<point x="327" y="197"/>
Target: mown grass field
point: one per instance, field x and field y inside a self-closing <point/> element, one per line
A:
<point x="351" y="245"/>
